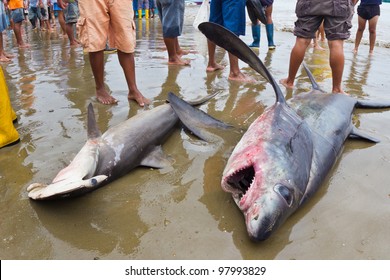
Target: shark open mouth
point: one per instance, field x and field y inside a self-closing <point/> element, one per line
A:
<point x="241" y="180"/>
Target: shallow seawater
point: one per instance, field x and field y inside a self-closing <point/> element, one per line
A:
<point x="181" y="212"/>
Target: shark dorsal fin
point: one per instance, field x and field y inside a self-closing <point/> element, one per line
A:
<point x="93" y="130"/>
<point x="313" y="81"/>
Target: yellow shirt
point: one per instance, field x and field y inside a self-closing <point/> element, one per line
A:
<point x="15" y="4"/>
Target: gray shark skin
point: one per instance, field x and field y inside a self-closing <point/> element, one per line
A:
<point x="286" y="153"/>
<point x="132" y="143"/>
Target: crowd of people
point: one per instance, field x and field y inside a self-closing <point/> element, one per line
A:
<point x="101" y="23"/>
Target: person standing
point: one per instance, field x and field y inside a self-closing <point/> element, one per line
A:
<point x="231" y="15"/>
<point x="17" y="15"/>
<point x="368" y="10"/>
<point x="34" y="12"/>
<point x="71" y="14"/>
<point x="99" y="20"/>
<point x="337" y="18"/>
<point x="171" y="14"/>
<point x="269" y="27"/>
<point x="4" y="57"/>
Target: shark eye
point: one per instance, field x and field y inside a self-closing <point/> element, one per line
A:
<point x="284" y="192"/>
<point x="94" y="182"/>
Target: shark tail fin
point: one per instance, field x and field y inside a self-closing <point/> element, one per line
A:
<point x="93" y="130"/>
<point x="194" y="119"/>
<point x="226" y="39"/>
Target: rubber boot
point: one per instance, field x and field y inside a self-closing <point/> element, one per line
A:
<point x="140" y="13"/>
<point x="270" y="36"/>
<point x="8" y="133"/>
<point x="256" y="36"/>
<point x="147" y="13"/>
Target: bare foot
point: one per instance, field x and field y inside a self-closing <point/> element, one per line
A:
<point x="24" y="46"/>
<point x="214" y="67"/>
<point x="8" y="55"/>
<point x="178" y="61"/>
<point x="287" y="84"/>
<point x="241" y="78"/>
<point x="182" y="52"/>
<point x="3" y="58"/>
<point x="318" y="47"/>
<point x="340" y="91"/>
<point x="74" y="45"/>
<point x="138" y="97"/>
<point x="105" y="98"/>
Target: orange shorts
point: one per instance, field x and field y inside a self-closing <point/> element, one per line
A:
<point x="106" y="19"/>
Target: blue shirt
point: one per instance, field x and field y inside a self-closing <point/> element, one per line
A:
<point x="33" y="3"/>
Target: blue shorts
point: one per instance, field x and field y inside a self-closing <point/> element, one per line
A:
<point x="230" y="14"/>
<point x="17" y="15"/>
<point x="171" y="14"/>
<point x="71" y="13"/>
<point x="56" y="7"/>
<point x="3" y="18"/>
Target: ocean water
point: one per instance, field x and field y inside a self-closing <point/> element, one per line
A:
<point x="284" y="18"/>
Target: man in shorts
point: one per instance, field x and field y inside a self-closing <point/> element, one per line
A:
<point x="17" y="16"/>
<point x="231" y="15"/>
<point x="171" y="14"/>
<point x="368" y="10"/>
<point x="102" y="19"/>
<point x="71" y="13"/>
<point x="337" y="16"/>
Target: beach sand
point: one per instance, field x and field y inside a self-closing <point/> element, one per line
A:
<point x="181" y="212"/>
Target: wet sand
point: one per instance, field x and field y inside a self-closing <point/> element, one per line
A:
<point x="181" y="212"/>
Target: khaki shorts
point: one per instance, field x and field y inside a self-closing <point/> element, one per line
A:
<point x="336" y="15"/>
<point x="101" y="20"/>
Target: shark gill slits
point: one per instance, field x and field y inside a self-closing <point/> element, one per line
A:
<point x="285" y="193"/>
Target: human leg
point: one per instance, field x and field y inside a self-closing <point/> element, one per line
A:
<point x="61" y="20"/>
<point x="270" y="28"/>
<point x="372" y="29"/>
<point x="71" y="13"/>
<point x="235" y="72"/>
<point x="173" y="54"/>
<point x="296" y="58"/>
<point x="256" y="35"/>
<point x="126" y="60"/>
<point x="336" y="61"/>
<point x="359" y="33"/>
<point x="96" y="60"/>
<point x="3" y="57"/>
<point x="212" y="64"/>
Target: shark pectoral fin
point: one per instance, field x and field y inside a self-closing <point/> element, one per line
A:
<point x="196" y="120"/>
<point x="358" y="134"/>
<point x="156" y="159"/>
<point x="63" y="188"/>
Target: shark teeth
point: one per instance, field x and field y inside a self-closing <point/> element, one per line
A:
<point x="240" y="181"/>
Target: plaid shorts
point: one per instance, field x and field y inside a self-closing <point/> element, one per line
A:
<point x="336" y="15"/>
